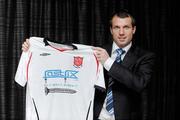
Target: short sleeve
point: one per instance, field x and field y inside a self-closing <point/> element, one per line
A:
<point x="21" y="73"/>
<point x="100" y="83"/>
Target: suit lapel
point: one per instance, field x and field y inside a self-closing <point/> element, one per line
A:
<point x="109" y="48"/>
<point x="129" y="58"/>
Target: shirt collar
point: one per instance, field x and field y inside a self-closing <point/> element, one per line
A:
<point x="126" y="48"/>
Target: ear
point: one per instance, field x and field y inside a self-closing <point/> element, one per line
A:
<point x="111" y="30"/>
<point x="134" y="29"/>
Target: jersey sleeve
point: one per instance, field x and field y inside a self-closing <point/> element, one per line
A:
<point x="100" y="83"/>
<point x="21" y="73"/>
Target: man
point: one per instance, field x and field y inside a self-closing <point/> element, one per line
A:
<point x="129" y="77"/>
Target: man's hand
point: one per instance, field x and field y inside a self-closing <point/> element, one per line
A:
<point x="26" y="45"/>
<point x="101" y="54"/>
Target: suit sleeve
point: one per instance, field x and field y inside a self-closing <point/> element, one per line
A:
<point x="136" y="77"/>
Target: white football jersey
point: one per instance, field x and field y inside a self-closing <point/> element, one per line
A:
<point x="60" y="80"/>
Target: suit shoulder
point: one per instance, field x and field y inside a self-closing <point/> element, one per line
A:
<point x="142" y="52"/>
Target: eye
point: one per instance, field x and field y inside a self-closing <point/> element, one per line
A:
<point x="126" y="27"/>
<point x="116" y="28"/>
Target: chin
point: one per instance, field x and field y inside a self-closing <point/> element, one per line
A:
<point x="122" y="44"/>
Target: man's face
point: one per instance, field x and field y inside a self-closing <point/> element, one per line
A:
<point x="122" y="31"/>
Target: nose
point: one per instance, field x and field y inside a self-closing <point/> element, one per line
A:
<point x="121" y="31"/>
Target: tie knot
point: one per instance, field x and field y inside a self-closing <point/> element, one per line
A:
<point x="120" y="51"/>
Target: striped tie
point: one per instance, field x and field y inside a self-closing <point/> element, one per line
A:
<point x="109" y="97"/>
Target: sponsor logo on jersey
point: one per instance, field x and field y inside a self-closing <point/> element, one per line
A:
<point x="78" y="61"/>
<point x="72" y="74"/>
<point x="59" y="90"/>
<point x="56" y="87"/>
<point x="45" y="54"/>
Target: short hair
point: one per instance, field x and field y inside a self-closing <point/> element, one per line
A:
<point x="122" y="13"/>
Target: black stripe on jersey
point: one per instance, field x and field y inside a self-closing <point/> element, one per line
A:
<point x="88" y="110"/>
<point x="100" y="88"/>
<point x="35" y="109"/>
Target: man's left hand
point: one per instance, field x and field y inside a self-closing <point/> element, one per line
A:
<point x="101" y="54"/>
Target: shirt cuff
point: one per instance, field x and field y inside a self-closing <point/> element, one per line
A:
<point x="108" y="63"/>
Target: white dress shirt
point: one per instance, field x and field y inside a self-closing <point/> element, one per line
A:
<point x="104" y="115"/>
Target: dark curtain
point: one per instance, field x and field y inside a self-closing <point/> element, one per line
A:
<point x="86" y="22"/>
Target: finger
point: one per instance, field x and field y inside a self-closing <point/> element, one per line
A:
<point x="27" y="40"/>
<point x="97" y="53"/>
<point x="97" y="48"/>
<point x="27" y="44"/>
<point x="25" y="47"/>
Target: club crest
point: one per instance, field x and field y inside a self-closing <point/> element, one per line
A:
<point x="78" y="61"/>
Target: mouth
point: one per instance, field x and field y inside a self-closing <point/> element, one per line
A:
<point x="121" y="38"/>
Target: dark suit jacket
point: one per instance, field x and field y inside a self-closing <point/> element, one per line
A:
<point x="130" y="80"/>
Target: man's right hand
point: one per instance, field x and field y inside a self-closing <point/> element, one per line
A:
<point x="26" y="45"/>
